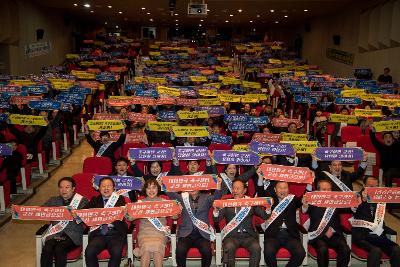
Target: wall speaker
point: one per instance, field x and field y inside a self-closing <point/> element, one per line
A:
<point x="336" y="39"/>
<point x="39" y="34"/>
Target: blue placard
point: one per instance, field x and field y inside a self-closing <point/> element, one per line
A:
<point x="148" y="93"/>
<point x="191" y="152"/>
<point x="221" y="139"/>
<point x="122" y="182"/>
<point x="348" y="101"/>
<point x="105" y="77"/>
<point x="273" y="148"/>
<point x="3" y="117"/>
<point x="397" y="111"/>
<point x="212" y="110"/>
<point x="299" y="89"/>
<point x="263" y="120"/>
<point x="44" y="104"/>
<point x="381" y="91"/>
<point x="389" y="85"/>
<point x="72" y="98"/>
<point x="235" y="118"/>
<point x="151" y="153"/>
<point x="5" y="150"/>
<point x="5" y="105"/>
<point x="80" y="90"/>
<point x="236" y="157"/>
<point x="166" y="115"/>
<point x="135" y="86"/>
<point x="305" y="99"/>
<point x="243" y="126"/>
<point x="35" y="89"/>
<point x="339" y="153"/>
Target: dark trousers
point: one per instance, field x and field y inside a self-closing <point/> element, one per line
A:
<point x="113" y="242"/>
<point x="241" y="240"/>
<point x="375" y="245"/>
<point x="389" y="174"/>
<point x="283" y="240"/>
<point x="193" y="241"/>
<point x="336" y="242"/>
<point x="57" y="250"/>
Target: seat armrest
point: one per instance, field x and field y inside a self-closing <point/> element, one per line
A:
<point x="390" y="231"/>
<point x="42" y="229"/>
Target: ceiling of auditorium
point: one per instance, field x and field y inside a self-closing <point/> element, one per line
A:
<point x="222" y="12"/>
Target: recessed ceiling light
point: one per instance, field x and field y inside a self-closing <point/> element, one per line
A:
<point x="305" y="10"/>
<point x="240" y="11"/>
<point x="177" y="20"/>
<point x="91" y="11"/>
<point x="251" y="21"/>
<point x="176" y="24"/>
<point x="120" y="12"/>
<point x="109" y="6"/>
<point x="116" y="26"/>
<point x="276" y="22"/>
<point x="199" y="25"/>
<point x="272" y="11"/>
<point x="75" y="4"/>
<point x="230" y="15"/>
<point x="105" y="23"/>
<point x="143" y="8"/>
<point x="151" y="19"/>
<point x="201" y="20"/>
<point x="286" y="16"/>
<point x="86" y="5"/>
<point x="208" y="10"/>
<point x="176" y="14"/>
<point x="258" y="16"/>
<point x="148" y="13"/>
<point x="254" y="30"/>
<point x="226" y="21"/>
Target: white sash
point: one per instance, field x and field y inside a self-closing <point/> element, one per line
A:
<point x="198" y="173"/>
<point x="227" y="181"/>
<point x="160" y="227"/>
<point x="158" y="178"/>
<point x="239" y="217"/>
<point x="102" y="149"/>
<point x="377" y="226"/>
<point x="322" y="224"/>
<point x="110" y="203"/>
<point x="277" y="211"/>
<point x="198" y="223"/>
<point x="60" y="226"/>
<point x="339" y="183"/>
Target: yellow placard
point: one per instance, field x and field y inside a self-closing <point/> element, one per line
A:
<point x="249" y="99"/>
<point x="105" y="125"/>
<point x="388" y="102"/>
<point x="140" y="79"/>
<point x="83" y="75"/>
<point x="192" y="115"/>
<point x="303" y="147"/>
<point x="223" y="58"/>
<point x="102" y="87"/>
<point x="27" y="120"/>
<point x="241" y="47"/>
<point x="215" y="85"/>
<point x="294" y="137"/>
<point x="198" y="78"/>
<point x="288" y="62"/>
<point x="240" y="147"/>
<point x="352" y="93"/>
<point x="21" y="82"/>
<point x="160" y="80"/>
<point x="207" y="92"/>
<point x="369" y="97"/>
<point x="162" y="90"/>
<point x="62" y="85"/>
<point x="387" y="126"/>
<point x="154" y="47"/>
<point x="229" y="98"/>
<point x="190" y="131"/>
<point x="274" y="61"/>
<point x="223" y="69"/>
<point x="209" y="102"/>
<point x="275" y="70"/>
<point x="229" y="80"/>
<point x="350" y="119"/>
<point x="158" y="126"/>
<point x="253" y="85"/>
<point x="258" y="96"/>
<point x="86" y="63"/>
<point x="154" y="54"/>
<point x="250" y="50"/>
<point x="276" y="47"/>
<point x="300" y="73"/>
<point x="72" y="56"/>
<point x="367" y="112"/>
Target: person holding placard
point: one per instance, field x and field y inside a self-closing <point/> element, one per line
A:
<point x="369" y="230"/>
<point x="341" y="180"/>
<point x="62" y="236"/>
<point x="106" y="236"/>
<point x="121" y="169"/>
<point x="325" y="231"/>
<point x="336" y="135"/>
<point x="151" y="239"/>
<point x="195" y="230"/>
<point x="231" y="173"/>
<point x="105" y="147"/>
<point x="389" y="155"/>
<point x="243" y="234"/>
<point x="12" y="164"/>
<point x="281" y="230"/>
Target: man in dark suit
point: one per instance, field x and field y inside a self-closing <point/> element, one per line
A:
<point x="121" y="169"/>
<point x="373" y="239"/>
<point x="105" y="147"/>
<point x="336" y="170"/>
<point x="243" y="235"/>
<point x="189" y="235"/>
<point x="324" y="236"/>
<point x="108" y="236"/>
<point x="58" y="244"/>
<point x="281" y="228"/>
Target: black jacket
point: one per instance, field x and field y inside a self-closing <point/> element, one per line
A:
<point x="390" y="156"/>
<point x="316" y="214"/>
<point x="109" y="152"/>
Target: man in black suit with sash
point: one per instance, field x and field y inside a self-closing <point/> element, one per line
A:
<point x="243" y="235"/>
<point x="325" y="231"/>
<point x="107" y="236"/>
<point x="369" y="230"/>
<point x="281" y="229"/>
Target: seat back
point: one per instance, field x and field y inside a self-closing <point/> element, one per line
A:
<point x="84" y="184"/>
<point x="350" y="133"/>
<point x="99" y="165"/>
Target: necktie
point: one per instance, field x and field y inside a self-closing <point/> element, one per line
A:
<point x="104" y="227"/>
